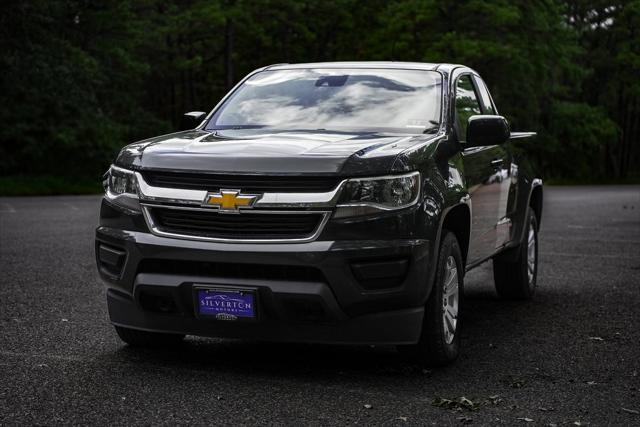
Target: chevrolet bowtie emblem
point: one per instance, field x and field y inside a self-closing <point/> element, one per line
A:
<point x="230" y="200"/>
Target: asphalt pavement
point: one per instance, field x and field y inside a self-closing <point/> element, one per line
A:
<point x="572" y="355"/>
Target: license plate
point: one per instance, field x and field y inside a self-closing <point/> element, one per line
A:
<point x="226" y="304"/>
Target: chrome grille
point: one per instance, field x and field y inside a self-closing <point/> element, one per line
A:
<point x="248" y="183"/>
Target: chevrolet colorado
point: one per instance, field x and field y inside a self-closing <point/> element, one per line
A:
<point x="325" y="202"/>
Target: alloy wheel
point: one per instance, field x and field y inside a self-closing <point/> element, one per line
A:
<point x="450" y="299"/>
<point x="531" y="252"/>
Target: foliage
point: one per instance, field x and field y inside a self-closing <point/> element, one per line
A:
<point x="579" y="130"/>
<point x="609" y="33"/>
<point x="81" y="79"/>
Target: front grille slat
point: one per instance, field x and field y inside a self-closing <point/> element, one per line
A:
<point x="212" y="227"/>
<point x="233" y="224"/>
<point x="246" y="183"/>
<point x="221" y="221"/>
<point x="204" y="226"/>
<point x="233" y="219"/>
<point x="253" y="225"/>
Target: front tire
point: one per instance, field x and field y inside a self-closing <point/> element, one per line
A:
<point x="516" y="272"/>
<point x="137" y="338"/>
<point x="440" y="339"/>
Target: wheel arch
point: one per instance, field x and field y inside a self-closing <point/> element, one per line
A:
<point x="535" y="199"/>
<point x="457" y="219"/>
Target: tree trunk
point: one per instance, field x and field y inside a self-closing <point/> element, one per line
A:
<point x="228" y="52"/>
<point x="172" y="86"/>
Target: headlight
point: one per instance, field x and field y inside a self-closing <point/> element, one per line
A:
<point x="364" y="196"/>
<point x="121" y="188"/>
<point x="122" y="181"/>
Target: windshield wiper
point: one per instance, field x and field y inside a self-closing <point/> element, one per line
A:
<point x="433" y="129"/>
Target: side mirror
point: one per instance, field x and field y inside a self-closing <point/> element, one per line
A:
<point x="192" y="119"/>
<point x="487" y="130"/>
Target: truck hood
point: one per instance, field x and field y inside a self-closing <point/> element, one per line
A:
<point x="274" y="152"/>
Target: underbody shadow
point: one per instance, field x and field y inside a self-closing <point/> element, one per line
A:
<point x="488" y="323"/>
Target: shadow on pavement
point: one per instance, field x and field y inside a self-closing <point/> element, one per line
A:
<point x="489" y="321"/>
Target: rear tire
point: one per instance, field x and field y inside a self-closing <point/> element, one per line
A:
<point x="137" y="338"/>
<point x="440" y="339"/>
<point x="515" y="272"/>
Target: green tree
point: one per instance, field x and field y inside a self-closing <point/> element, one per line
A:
<point x="610" y="34"/>
<point x="81" y="79"/>
<point x="72" y="83"/>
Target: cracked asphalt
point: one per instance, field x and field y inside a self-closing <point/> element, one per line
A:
<point x="569" y="356"/>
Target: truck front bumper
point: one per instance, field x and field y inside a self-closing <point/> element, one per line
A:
<point x="354" y="291"/>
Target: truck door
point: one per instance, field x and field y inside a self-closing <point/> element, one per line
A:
<point x="484" y="172"/>
<point x="504" y="168"/>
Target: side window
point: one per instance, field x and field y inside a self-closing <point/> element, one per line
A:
<point x="487" y="106"/>
<point x="467" y="104"/>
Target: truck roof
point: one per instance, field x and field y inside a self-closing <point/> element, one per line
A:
<point x="366" y="64"/>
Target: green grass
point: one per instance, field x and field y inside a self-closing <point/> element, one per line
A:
<point x="47" y="185"/>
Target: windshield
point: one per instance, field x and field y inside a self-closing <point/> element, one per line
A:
<point x="351" y="100"/>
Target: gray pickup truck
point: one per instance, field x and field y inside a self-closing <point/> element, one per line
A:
<point x="326" y="202"/>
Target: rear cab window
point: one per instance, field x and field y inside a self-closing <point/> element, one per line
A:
<point x="485" y="98"/>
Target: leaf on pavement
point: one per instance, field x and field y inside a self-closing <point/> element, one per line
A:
<point x="442" y="402"/>
<point x="494" y="400"/>
<point x="525" y="419"/>
<point x="466" y="402"/>
<point x="518" y="384"/>
<point x="457" y="404"/>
